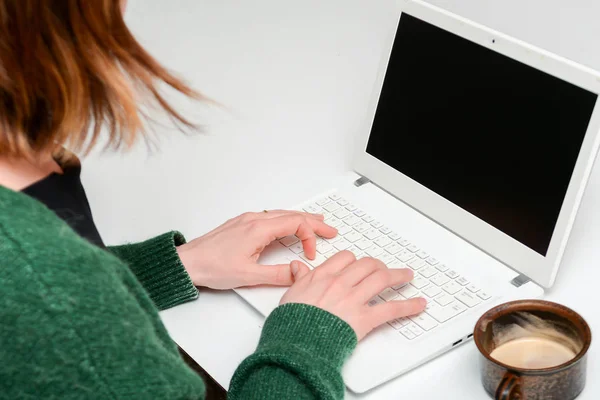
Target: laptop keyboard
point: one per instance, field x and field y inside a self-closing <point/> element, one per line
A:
<point x="449" y="293"/>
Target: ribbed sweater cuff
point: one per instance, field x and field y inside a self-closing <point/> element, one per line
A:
<point x="310" y="329"/>
<point x="157" y="266"/>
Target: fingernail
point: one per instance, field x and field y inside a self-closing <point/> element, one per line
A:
<point x="294" y="267"/>
<point x="423" y="302"/>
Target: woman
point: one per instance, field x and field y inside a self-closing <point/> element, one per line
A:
<point x="78" y="318"/>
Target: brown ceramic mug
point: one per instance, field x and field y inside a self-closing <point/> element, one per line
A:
<point x="506" y="382"/>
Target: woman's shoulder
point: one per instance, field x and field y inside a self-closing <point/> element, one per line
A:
<point x="32" y="235"/>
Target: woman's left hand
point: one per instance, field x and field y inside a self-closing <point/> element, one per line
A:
<point x="226" y="257"/>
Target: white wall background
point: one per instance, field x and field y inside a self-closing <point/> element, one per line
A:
<point x="233" y="51"/>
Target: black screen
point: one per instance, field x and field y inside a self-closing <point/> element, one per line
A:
<point x="494" y="136"/>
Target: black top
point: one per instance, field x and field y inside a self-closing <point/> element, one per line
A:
<point x="64" y="194"/>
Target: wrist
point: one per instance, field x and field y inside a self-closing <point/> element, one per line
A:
<point x="186" y="256"/>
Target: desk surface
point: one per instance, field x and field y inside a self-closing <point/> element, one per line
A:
<point x="294" y="78"/>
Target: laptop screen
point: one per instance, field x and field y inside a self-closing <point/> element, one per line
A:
<point x="496" y="137"/>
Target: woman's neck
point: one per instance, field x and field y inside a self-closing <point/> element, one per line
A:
<point x="17" y="174"/>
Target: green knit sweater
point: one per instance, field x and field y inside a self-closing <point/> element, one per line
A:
<point x="80" y="322"/>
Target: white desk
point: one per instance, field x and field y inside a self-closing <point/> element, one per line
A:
<point x="296" y="76"/>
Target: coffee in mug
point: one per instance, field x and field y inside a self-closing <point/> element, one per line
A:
<point x="533" y="350"/>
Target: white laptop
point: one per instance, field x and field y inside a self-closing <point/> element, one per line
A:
<point x="474" y="157"/>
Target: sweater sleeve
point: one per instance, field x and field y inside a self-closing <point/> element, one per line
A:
<point x="299" y="356"/>
<point x="157" y="266"/>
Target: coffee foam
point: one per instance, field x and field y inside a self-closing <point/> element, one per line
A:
<point x="527" y="325"/>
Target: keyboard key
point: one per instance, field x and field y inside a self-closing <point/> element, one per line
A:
<point x="389" y="294"/>
<point x="297" y="248"/>
<point x="444" y="299"/>
<point x="313" y="209"/>
<point x="353" y="236"/>
<point x="452" y="274"/>
<point x="331" y="207"/>
<point x="396" y="264"/>
<point x="351" y="220"/>
<point x="467" y="298"/>
<point x="341" y="213"/>
<point x="330" y="253"/>
<point x="372" y="234"/>
<point x="342" y="244"/>
<point x="483" y="295"/>
<point x="336" y="223"/>
<point x="441" y="267"/>
<point x="399" y="286"/>
<point x="376" y="301"/>
<point x="359" y="213"/>
<point x="324" y="247"/>
<point x="405" y="256"/>
<point x="319" y="259"/>
<point x="362" y="227"/>
<point x="363" y="244"/>
<point x="452" y="287"/>
<point x="343" y="202"/>
<point x="396" y="324"/>
<point x="383" y="241"/>
<point x="323" y="201"/>
<point x="472" y="288"/>
<point x="385" y="230"/>
<point x="428" y="272"/>
<point x="462" y="281"/>
<point x="393" y="248"/>
<point x="335" y="197"/>
<point x="407" y="333"/>
<point x="413" y="248"/>
<point x="404" y="242"/>
<point x="320" y="240"/>
<point x="333" y="239"/>
<point x="368" y="219"/>
<point x="402" y="321"/>
<point x="327" y="216"/>
<point x="376" y="224"/>
<point x="408" y="291"/>
<point x="424" y="321"/>
<point x="374" y="251"/>
<point x="443" y="314"/>
<point x="289" y="240"/>
<point x="432" y="291"/>
<point x="416" y="264"/>
<point x="344" y="229"/>
<point x="422" y="254"/>
<point x="440" y="279"/>
<point x="432" y="261"/>
<point x="415" y="329"/>
<point x="385" y="258"/>
<point x="351" y="207"/>
<point x="419" y="282"/>
<point x="394" y="236"/>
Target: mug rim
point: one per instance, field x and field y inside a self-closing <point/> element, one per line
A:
<point x="478" y="333"/>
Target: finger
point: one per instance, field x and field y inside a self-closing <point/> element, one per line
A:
<point x="336" y="263"/>
<point x="253" y="216"/>
<point x="279" y="213"/>
<point x="299" y="270"/>
<point x="382" y="313"/>
<point x="277" y="275"/>
<point x="380" y="280"/>
<point x="358" y="271"/>
<point x="315" y="221"/>
<point x="266" y="231"/>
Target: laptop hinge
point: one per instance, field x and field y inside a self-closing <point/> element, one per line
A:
<point x="363" y="180"/>
<point x="520" y="280"/>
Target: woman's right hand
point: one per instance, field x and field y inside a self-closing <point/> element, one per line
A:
<point x="344" y="286"/>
